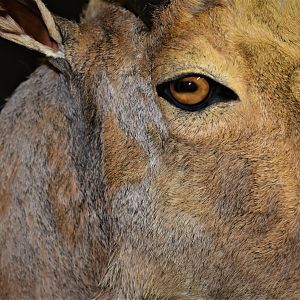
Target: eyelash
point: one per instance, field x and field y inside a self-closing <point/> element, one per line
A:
<point x="218" y="93"/>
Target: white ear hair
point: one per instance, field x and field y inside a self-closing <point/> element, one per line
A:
<point x="12" y="31"/>
<point x="49" y="21"/>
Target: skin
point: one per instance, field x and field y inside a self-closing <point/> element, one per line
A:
<point x="110" y="191"/>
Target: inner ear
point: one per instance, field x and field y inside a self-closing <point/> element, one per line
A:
<point x="28" y="16"/>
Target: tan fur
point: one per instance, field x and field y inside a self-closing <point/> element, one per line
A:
<point x="111" y="192"/>
<point x="224" y="146"/>
<point x="63" y="190"/>
<point x="124" y="162"/>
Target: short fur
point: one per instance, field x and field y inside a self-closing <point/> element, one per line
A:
<point x="109" y="190"/>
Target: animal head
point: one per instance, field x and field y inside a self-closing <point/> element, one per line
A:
<point x="197" y="123"/>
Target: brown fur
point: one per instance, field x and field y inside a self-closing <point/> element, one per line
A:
<point x="124" y="162"/>
<point x="109" y="190"/>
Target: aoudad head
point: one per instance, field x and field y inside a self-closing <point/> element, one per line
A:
<point x="199" y="139"/>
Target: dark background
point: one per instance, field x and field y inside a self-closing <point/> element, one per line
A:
<point x="16" y="62"/>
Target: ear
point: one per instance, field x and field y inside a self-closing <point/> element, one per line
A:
<point x="29" y="23"/>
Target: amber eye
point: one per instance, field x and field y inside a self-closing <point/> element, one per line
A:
<point x="190" y="90"/>
<point x="195" y="92"/>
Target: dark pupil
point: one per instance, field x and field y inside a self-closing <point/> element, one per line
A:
<point x="185" y="87"/>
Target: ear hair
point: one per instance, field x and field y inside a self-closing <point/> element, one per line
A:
<point x="29" y="23"/>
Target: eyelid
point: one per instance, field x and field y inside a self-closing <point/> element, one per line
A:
<point x="162" y="73"/>
<point x="195" y="73"/>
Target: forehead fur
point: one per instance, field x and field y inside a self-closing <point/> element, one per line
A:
<point x="274" y="22"/>
<point x="276" y="17"/>
<point x="280" y="16"/>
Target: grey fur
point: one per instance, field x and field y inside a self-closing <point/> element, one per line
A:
<point x="108" y="191"/>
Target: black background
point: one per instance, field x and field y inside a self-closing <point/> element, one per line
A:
<point x="16" y="62"/>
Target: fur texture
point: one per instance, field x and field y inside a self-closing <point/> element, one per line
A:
<point x="110" y="191"/>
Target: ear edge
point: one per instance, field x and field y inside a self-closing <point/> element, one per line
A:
<point x="49" y="22"/>
<point x="28" y="42"/>
<point x="11" y="30"/>
<point x="8" y="25"/>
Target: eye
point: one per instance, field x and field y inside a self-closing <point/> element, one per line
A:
<point x="195" y="92"/>
<point x="190" y="90"/>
